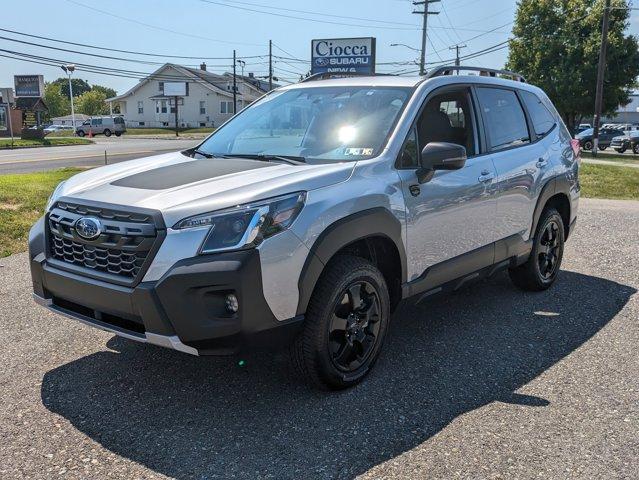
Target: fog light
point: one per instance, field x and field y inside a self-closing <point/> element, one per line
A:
<point x="232" y="305"/>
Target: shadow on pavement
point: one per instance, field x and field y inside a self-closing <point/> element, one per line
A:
<point x="189" y="417"/>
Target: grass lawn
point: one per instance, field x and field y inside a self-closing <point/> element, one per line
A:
<point x="22" y="201"/>
<point x="23" y="197"/>
<point x="613" y="157"/>
<point x="603" y="181"/>
<point x="5" y="143"/>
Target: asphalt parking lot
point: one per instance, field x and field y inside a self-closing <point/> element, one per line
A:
<point x="488" y="382"/>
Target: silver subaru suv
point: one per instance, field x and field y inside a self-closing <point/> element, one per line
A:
<point x="305" y="219"/>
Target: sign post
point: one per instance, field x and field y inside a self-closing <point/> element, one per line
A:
<point x="175" y="90"/>
<point x="8" y="110"/>
<point x="343" y="55"/>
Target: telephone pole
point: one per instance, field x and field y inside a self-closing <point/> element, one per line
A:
<point x="457" y="48"/>
<point x="270" y="65"/>
<point x="234" y="86"/>
<point x="601" y="69"/>
<point x="424" y="13"/>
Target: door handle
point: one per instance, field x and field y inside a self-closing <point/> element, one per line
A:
<point x="486" y="176"/>
<point x="541" y="163"/>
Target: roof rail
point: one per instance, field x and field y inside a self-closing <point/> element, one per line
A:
<point x="327" y="75"/>
<point x="484" y="72"/>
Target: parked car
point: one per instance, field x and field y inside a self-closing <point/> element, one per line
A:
<point x="57" y="128"/>
<point x="581" y="128"/>
<point x="102" y="126"/>
<point x="605" y="138"/>
<point x="628" y="141"/>
<point x="381" y="188"/>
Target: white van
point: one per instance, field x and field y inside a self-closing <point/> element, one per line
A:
<point x="102" y="125"/>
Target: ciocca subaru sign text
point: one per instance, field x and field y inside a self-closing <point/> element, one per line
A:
<point x="347" y="55"/>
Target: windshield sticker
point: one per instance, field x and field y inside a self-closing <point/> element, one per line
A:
<point x="358" y="151"/>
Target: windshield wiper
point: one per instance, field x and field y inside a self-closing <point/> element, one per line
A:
<point x="204" y="154"/>
<point x="290" y="159"/>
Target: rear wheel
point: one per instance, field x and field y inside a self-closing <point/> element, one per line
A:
<point x="541" y="269"/>
<point x="80" y="133"/>
<point x="601" y="147"/>
<point x="107" y="132"/>
<point x="117" y="134"/>
<point x="635" y="149"/>
<point x="620" y="150"/>
<point x="345" y="325"/>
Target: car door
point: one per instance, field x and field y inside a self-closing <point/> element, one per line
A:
<point x="521" y="156"/>
<point x="453" y="213"/>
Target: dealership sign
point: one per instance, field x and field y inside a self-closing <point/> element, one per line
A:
<point x="346" y="55"/>
<point x="29" y="85"/>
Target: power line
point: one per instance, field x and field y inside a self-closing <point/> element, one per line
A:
<point x="123" y="51"/>
<point x="163" y="29"/>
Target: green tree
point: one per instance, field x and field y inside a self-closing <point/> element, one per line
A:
<point x="556" y="47"/>
<point x="92" y="103"/>
<point x="58" y="104"/>
<point x="108" y="92"/>
<point x="79" y="86"/>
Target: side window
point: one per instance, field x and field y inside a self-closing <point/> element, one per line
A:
<point x="447" y="117"/>
<point x="504" y="118"/>
<point x="409" y="156"/>
<point x="543" y="121"/>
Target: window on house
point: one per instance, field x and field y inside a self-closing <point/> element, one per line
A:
<point x="163" y="106"/>
<point x="165" y="124"/>
<point x="202" y="124"/>
<point x="226" y="107"/>
<point x="161" y="87"/>
<point x="140" y="108"/>
<point x="141" y="124"/>
<point x="202" y="107"/>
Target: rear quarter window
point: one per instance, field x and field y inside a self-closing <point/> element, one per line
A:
<point x="543" y="121"/>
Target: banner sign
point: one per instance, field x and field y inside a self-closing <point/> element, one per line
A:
<point x="29" y="85"/>
<point x="347" y="55"/>
<point x="175" y="89"/>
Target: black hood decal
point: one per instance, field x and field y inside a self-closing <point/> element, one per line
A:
<point x="188" y="172"/>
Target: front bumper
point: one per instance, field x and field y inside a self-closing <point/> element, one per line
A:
<point x="184" y="310"/>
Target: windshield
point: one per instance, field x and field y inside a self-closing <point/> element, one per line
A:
<point x="585" y="133"/>
<point x="323" y="123"/>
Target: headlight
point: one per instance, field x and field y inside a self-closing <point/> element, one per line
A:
<point x="246" y="226"/>
<point x="54" y="196"/>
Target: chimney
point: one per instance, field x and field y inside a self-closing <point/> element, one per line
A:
<point x="251" y="75"/>
<point x="203" y="66"/>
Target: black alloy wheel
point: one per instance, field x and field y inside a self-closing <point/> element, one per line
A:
<point x="548" y="250"/>
<point x="354" y="326"/>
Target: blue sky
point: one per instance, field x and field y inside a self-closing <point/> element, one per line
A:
<point x="213" y="28"/>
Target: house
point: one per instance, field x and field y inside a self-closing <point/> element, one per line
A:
<point x="67" y="119"/>
<point x="208" y="101"/>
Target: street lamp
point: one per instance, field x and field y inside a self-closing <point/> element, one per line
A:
<point x="69" y="69"/>
<point x="242" y="64"/>
<point x="404" y="45"/>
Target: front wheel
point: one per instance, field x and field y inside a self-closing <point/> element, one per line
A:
<point x="107" y="132"/>
<point x="635" y="149"/>
<point x="117" y="134"/>
<point x="80" y="133"/>
<point x="601" y="147"/>
<point x="620" y="150"/>
<point x="541" y="269"/>
<point x="587" y="145"/>
<point x="345" y="325"/>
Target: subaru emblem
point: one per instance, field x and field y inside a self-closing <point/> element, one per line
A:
<point x="88" y="228"/>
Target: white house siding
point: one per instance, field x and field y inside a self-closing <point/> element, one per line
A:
<point x="189" y="115"/>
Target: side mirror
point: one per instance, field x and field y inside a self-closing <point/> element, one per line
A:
<point x="440" y="156"/>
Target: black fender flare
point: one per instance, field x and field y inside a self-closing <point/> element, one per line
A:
<point x="364" y="224"/>
<point x="555" y="185"/>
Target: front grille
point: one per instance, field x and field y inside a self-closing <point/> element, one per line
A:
<point x="121" y="252"/>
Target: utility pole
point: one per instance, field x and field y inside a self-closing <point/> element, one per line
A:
<point x="425" y="13"/>
<point x="270" y="65"/>
<point x="175" y="99"/>
<point x="457" y="48"/>
<point x="69" y="69"/>
<point x="234" y="86"/>
<point x="601" y="68"/>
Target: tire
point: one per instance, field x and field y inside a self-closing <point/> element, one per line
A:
<point x="346" y="322"/>
<point x="587" y="145"/>
<point x="542" y="267"/>
<point x="107" y="132"/>
<point x="620" y="150"/>
<point x="602" y="147"/>
<point x="80" y="133"/>
<point x="635" y="149"/>
<point x="117" y="134"/>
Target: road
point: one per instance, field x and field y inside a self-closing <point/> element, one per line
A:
<point x="118" y="150"/>
<point x="489" y="382"/>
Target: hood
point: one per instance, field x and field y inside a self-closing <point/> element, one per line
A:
<point x="180" y="186"/>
